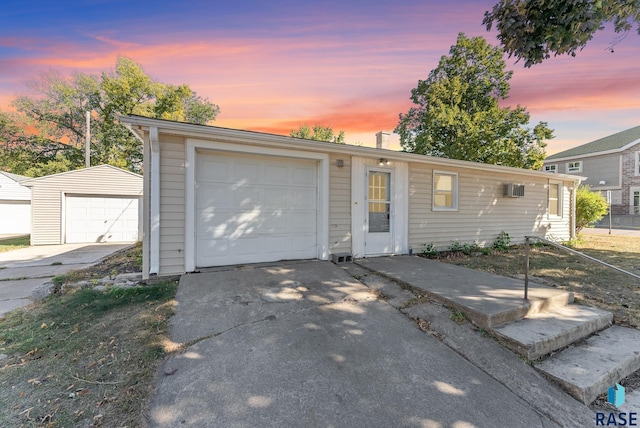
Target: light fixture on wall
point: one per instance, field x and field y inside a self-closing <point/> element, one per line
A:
<point x="383" y="161"/>
<point x="339" y="163"/>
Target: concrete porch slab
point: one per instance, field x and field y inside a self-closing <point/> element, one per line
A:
<point x="489" y="300"/>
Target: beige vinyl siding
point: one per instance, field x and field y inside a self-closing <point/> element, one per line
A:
<point x="483" y="212"/>
<point x="48" y="194"/>
<point x="172" y="202"/>
<point x="340" y="205"/>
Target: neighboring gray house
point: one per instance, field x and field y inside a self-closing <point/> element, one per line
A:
<point x="15" y="205"/>
<point x="613" y="161"/>
<point x="96" y="204"/>
<point x="215" y="196"/>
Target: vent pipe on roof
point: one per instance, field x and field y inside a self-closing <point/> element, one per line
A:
<point x="382" y="140"/>
<point x="87" y="148"/>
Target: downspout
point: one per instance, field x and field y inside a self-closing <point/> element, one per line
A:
<point x="154" y="202"/>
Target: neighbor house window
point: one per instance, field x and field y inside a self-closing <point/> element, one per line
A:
<point x="575" y="166"/>
<point x="637" y="163"/>
<point x="555" y="198"/>
<point x="445" y="191"/>
<point x="551" y="168"/>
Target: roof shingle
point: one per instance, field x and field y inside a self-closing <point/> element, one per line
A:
<point x="612" y="142"/>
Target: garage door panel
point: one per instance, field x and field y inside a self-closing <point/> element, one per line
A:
<point x="257" y="212"/>
<point x="304" y="176"/>
<point x="276" y="174"/>
<point x="246" y="173"/>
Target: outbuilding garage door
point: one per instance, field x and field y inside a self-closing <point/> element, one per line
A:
<point x="101" y="219"/>
<point x="15" y="217"/>
<point x="253" y="209"/>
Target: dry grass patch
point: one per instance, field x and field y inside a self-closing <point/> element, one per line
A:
<point x="85" y="358"/>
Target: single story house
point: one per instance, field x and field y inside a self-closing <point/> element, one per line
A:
<point x="15" y="205"/>
<point x="96" y="204"/>
<point x="215" y="196"/>
<point x="612" y="164"/>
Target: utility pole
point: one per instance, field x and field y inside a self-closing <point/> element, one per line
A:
<point x="87" y="148"/>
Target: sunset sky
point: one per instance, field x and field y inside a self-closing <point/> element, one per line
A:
<point x="274" y="65"/>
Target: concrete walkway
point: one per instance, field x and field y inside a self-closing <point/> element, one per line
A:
<point x="24" y="270"/>
<point x="489" y="299"/>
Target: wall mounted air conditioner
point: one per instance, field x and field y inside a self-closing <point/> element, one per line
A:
<point x="512" y="190"/>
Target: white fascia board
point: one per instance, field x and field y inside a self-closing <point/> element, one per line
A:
<point x="257" y="139"/>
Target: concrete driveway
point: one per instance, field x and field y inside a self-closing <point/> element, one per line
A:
<point x="304" y="344"/>
<point x="25" y="269"/>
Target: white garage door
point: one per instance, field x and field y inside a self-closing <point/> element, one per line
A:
<point x="15" y="217"/>
<point x="101" y="219"/>
<point x="253" y="209"/>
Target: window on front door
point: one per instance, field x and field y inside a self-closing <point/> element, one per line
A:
<point x="379" y="201"/>
<point x="636" y="202"/>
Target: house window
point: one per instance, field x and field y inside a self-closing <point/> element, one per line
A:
<point x="575" y="166"/>
<point x="637" y="163"/>
<point x="445" y="191"/>
<point x="555" y="199"/>
<point x="551" y="168"/>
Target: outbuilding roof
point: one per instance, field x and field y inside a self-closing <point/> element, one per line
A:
<point x="15" y="177"/>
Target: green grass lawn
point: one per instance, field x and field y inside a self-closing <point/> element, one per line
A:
<point x="14" y="243"/>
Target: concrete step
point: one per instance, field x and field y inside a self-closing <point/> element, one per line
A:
<point x="589" y="368"/>
<point x="499" y="307"/>
<point x="541" y="333"/>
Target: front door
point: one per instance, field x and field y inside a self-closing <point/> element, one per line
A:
<point x="379" y="214"/>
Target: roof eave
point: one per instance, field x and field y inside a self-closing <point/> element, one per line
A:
<point x="139" y="125"/>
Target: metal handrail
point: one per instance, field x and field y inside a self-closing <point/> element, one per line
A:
<point x="571" y="250"/>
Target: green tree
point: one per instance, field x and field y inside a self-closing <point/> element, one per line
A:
<point x="317" y="133"/>
<point x="590" y="207"/>
<point x="457" y="113"/>
<point x="33" y="155"/>
<point x="57" y="106"/>
<point x="531" y="30"/>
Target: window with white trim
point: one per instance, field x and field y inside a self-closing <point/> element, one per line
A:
<point x="575" y="166"/>
<point x="555" y="199"/>
<point x="551" y="168"/>
<point x="637" y="170"/>
<point x="445" y="191"/>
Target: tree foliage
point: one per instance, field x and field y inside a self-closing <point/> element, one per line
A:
<point x="531" y="30"/>
<point x="54" y="113"/>
<point x="590" y="207"/>
<point x="318" y="133"/>
<point x="457" y="113"/>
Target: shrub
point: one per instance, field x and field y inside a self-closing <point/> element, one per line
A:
<point x="590" y="207"/>
<point x="502" y="242"/>
<point x="430" y="251"/>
